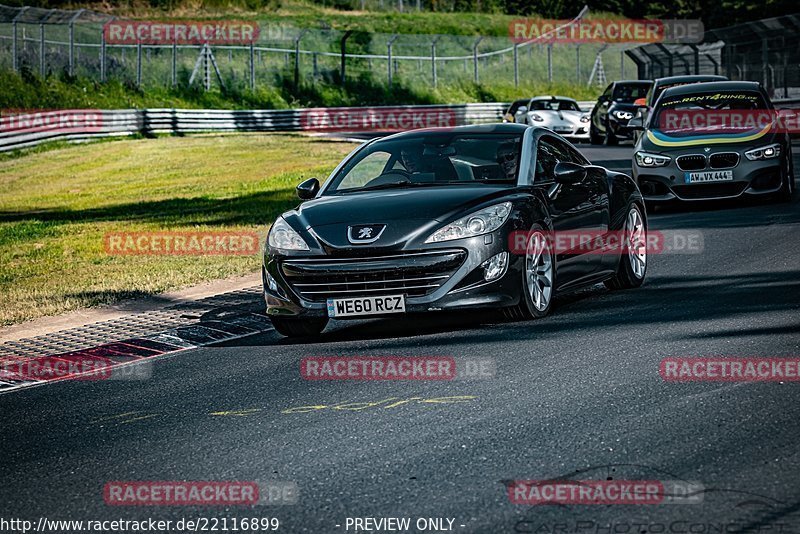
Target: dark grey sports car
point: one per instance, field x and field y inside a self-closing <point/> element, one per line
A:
<point x="467" y="217"/>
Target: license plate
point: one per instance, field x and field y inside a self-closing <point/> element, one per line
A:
<point x="708" y="176"/>
<point x="563" y="129"/>
<point x="354" y="307"/>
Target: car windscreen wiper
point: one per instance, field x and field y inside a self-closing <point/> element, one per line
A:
<point x="387" y="185"/>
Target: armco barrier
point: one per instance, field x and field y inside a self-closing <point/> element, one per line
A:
<point x="29" y="128"/>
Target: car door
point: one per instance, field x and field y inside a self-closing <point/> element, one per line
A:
<point x="575" y="209"/>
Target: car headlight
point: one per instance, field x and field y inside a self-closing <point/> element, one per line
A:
<point x="282" y="237"/>
<point x="645" y="159"/>
<point x="481" y="222"/>
<point x="584" y="118"/>
<point x="537" y="117"/>
<point x="623" y="115"/>
<point x="764" y="152"/>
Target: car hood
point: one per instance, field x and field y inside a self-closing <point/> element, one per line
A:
<point x="407" y="213"/>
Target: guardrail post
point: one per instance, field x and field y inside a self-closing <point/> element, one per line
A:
<point x="516" y="64"/>
<point x="389" y="56"/>
<point x="475" y="75"/>
<point x="550" y="63"/>
<point x="252" y="67"/>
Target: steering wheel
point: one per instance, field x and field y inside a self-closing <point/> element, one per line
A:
<point x="388" y="177"/>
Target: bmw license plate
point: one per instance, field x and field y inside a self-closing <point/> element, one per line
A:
<point x="354" y="307"/>
<point x="708" y="176"/>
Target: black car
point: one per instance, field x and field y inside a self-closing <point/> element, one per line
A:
<point x="615" y="107"/>
<point x="449" y="219"/>
<point x="713" y="140"/>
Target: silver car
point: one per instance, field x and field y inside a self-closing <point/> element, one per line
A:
<point x="559" y="114"/>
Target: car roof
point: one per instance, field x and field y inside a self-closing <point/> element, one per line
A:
<point x="540" y="98"/>
<point x="692" y="88"/>
<point x="496" y="127"/>
<point x="690" y="78"/>
<point x="633" y="82"/>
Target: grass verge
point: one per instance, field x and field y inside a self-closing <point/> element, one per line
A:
<point x="56" y="207"/>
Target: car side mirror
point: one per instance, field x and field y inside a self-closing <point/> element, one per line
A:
<point x="308" y="189"/>
<point x="636" y="123"/>
<point x="567" y="172"/>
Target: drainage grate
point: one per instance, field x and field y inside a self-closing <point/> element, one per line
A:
<point x="140" y="336"/>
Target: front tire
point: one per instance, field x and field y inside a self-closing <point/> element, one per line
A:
<point x="610" y="139"/>
<point x="594" y="136"/>
<point x="632" y="267"/>
<point x="538" y="278"/>
<point x="299" y="327"/>
<point x="786" y="191"/>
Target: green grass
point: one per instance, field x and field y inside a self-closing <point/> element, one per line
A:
<point x="57" y="206"/>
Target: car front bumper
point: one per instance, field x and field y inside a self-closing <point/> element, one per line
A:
<point x="463" y="287"/>
<point x="750" y="178"/>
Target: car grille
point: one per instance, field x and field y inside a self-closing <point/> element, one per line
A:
<point x="724" y="160"/>
<point x="693" y="162"/>
<point x="414" y="274"/>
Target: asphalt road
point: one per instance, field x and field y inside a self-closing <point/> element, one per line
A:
<point x="577" y="395"/>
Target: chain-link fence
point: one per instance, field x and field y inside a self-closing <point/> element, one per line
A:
<point x="765" y="51"/>
<point x="53" y="42"/>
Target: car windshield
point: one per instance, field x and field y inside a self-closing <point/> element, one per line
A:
<point x="515" y="106"/>
<point x="717" y="112"/>
<point x="442" y="158"/>
<point x="629" y="92"/>
<point x="554" y="105"/>
<point x="663" y="87"/>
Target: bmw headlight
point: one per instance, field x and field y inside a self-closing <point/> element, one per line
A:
<point x="536" y="117"/>
<point x="623" y="115"/>
<point x="645" y="159"/>
<point x="478" y="223"/>
<point x="282" y="237"/>
<point x="764" y="152"/>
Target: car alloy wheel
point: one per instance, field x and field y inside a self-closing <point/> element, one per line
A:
<point x="539" y="270"/>
<point x="636" y="236"/>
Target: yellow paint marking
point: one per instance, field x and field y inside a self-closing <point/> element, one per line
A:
<point x="398" y="403"/>
<point x="358" y="406"/>
<point x="448" y="400"/>
<point x="237" y="413"/>
<point x="110" y="417"/>
<point x="148" y="416"/>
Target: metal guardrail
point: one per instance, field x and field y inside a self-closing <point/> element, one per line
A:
<point x="30" y="128"/>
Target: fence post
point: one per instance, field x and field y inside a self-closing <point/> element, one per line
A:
<point x="252" y="67"/>
<point x="297" y="58"/>
<point x="475" y="60"/>
<point x="516" y="64"/>
<point x="433" y="61"/>
<point x="389" y="56"/>
<point x="314" y="62"/>
<point x="174" y="67"/>
<point x="138" y="63"/>
<point x="72" y="41"/>
<point x="578" y="63"/>
<point x="550" y="63"/>
<point x="42" y="67"/>
<point x="622" y="65"/>
<point x="347" y="34"/>
<point x="14" y="45"/>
